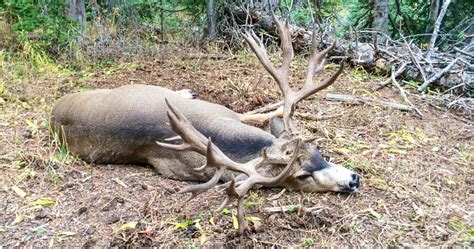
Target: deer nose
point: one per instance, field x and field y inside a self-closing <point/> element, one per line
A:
<point x="355" y="183"/>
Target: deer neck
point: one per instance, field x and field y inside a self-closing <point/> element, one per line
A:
<point x="238" y="141"/>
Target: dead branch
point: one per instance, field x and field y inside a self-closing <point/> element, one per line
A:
<point x="413" y="58"/>
<point x="437" y="75"/>
<point x="403" y="94"/>
<point x="464" y="52"/>
<point x="359" y="99"/>
<point x="293" y="208"/>
<point x="396" y="74"/>
<point x="266" y="108"/>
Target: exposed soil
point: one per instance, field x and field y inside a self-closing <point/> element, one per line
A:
<point x="417" y="174"/>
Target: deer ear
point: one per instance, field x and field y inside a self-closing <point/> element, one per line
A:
<point x="277" y="128"/>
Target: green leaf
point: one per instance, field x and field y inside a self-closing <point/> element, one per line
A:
<point x="211" y="220"/>
<point x="456" y="225"/>
<point x="44" y="202"/>
<point x="25" y="105"/>
<point x="40" y="231"/>
<point x="307" y="242"/>
<point x="84" y="89"/>
<point x="32" y="125"/>
<point x="127" y="226"/>
<point x="226" y="211"/>
<point x="2" y="229"/>
<point x="252" y="218"/>
<point x="375" y="214"/>
<point x="250" y="203"/>
<point x="185" y="224"/>
<point x="202" y="238"/>
<point x="293" y="208"/>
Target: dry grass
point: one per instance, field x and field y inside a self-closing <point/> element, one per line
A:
<point x="416" y="173"/>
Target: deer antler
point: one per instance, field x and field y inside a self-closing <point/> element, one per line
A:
<point x="193" y="140"/>
<point x="281" y="74"/>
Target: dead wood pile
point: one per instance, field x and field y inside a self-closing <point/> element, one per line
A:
<point x="452" y="71"/>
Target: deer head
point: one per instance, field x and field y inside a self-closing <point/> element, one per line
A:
<point x="314" y="174"/>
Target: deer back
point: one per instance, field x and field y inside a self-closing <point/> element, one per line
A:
<point x="121" y="125"/>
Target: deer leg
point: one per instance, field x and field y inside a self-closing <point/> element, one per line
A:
<point x="260" y="118"/>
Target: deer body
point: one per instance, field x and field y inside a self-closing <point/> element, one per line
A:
<point x="122" y="125"/>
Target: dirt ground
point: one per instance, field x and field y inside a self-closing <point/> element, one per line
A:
<point x="417" y="173"/>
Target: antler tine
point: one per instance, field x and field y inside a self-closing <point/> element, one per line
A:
<point x="211" y="160"/>
<point x="195" y="190"/>
<point x="192" y="138"/>
<point x="255" y="44"/>
<point x="315" y="66"/>
<point x="195" y="141"/>
<point x="281" y="74"/>
<point x="256" y="178"/>
<point x="327" y="82"/>
<point x="314" y="57"/>
<point x="230" y="194"/>
<point x="285" y="42"/>
<point x="241" y="190"/>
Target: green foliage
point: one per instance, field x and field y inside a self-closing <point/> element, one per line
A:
<point x="40" y="30"/>
<point x="171" y="16"/>
<point x="410" y="18"/>
<point x="37" y="26"/>
<point x="307" y="242"/>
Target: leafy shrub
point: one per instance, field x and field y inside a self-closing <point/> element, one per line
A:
<point x="41" y="25"/>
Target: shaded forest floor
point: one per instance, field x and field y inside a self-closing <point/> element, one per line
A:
<point x="417" y="174"/>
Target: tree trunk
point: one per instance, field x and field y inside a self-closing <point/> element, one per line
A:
<point x="317" y="5"/>
<point x="434" y="11"/>
<point x="211" y="19"/>
<point x="437" y="25"/>
<point x="77" y="11"/>
<point x="380" y="19"/>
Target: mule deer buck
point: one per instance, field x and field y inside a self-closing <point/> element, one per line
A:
<point x="125" y="124"/>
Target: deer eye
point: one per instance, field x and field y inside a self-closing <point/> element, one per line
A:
<point x="303" y="177"/>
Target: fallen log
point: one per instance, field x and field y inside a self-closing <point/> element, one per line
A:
<point x="366" y="100"/>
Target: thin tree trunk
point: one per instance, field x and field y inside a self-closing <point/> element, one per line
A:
<point x="211" y="20"/>
<point x="437" y="25"/>
<point x="380" y="21"/>
<point x="434" y="11"/>
<point x="77" y="11"/>
<point x="318" y="5"/>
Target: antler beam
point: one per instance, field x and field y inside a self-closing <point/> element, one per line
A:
<point x="316" y="63"/>
<point x="193" y="140"/>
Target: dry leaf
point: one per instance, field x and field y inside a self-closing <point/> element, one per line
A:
<point x="127" y="226"/>
<point x="235" y="222"/>
<point x="375" y="214"/>
<point x="18" y="219"/>
<point x="19" y="191"/>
